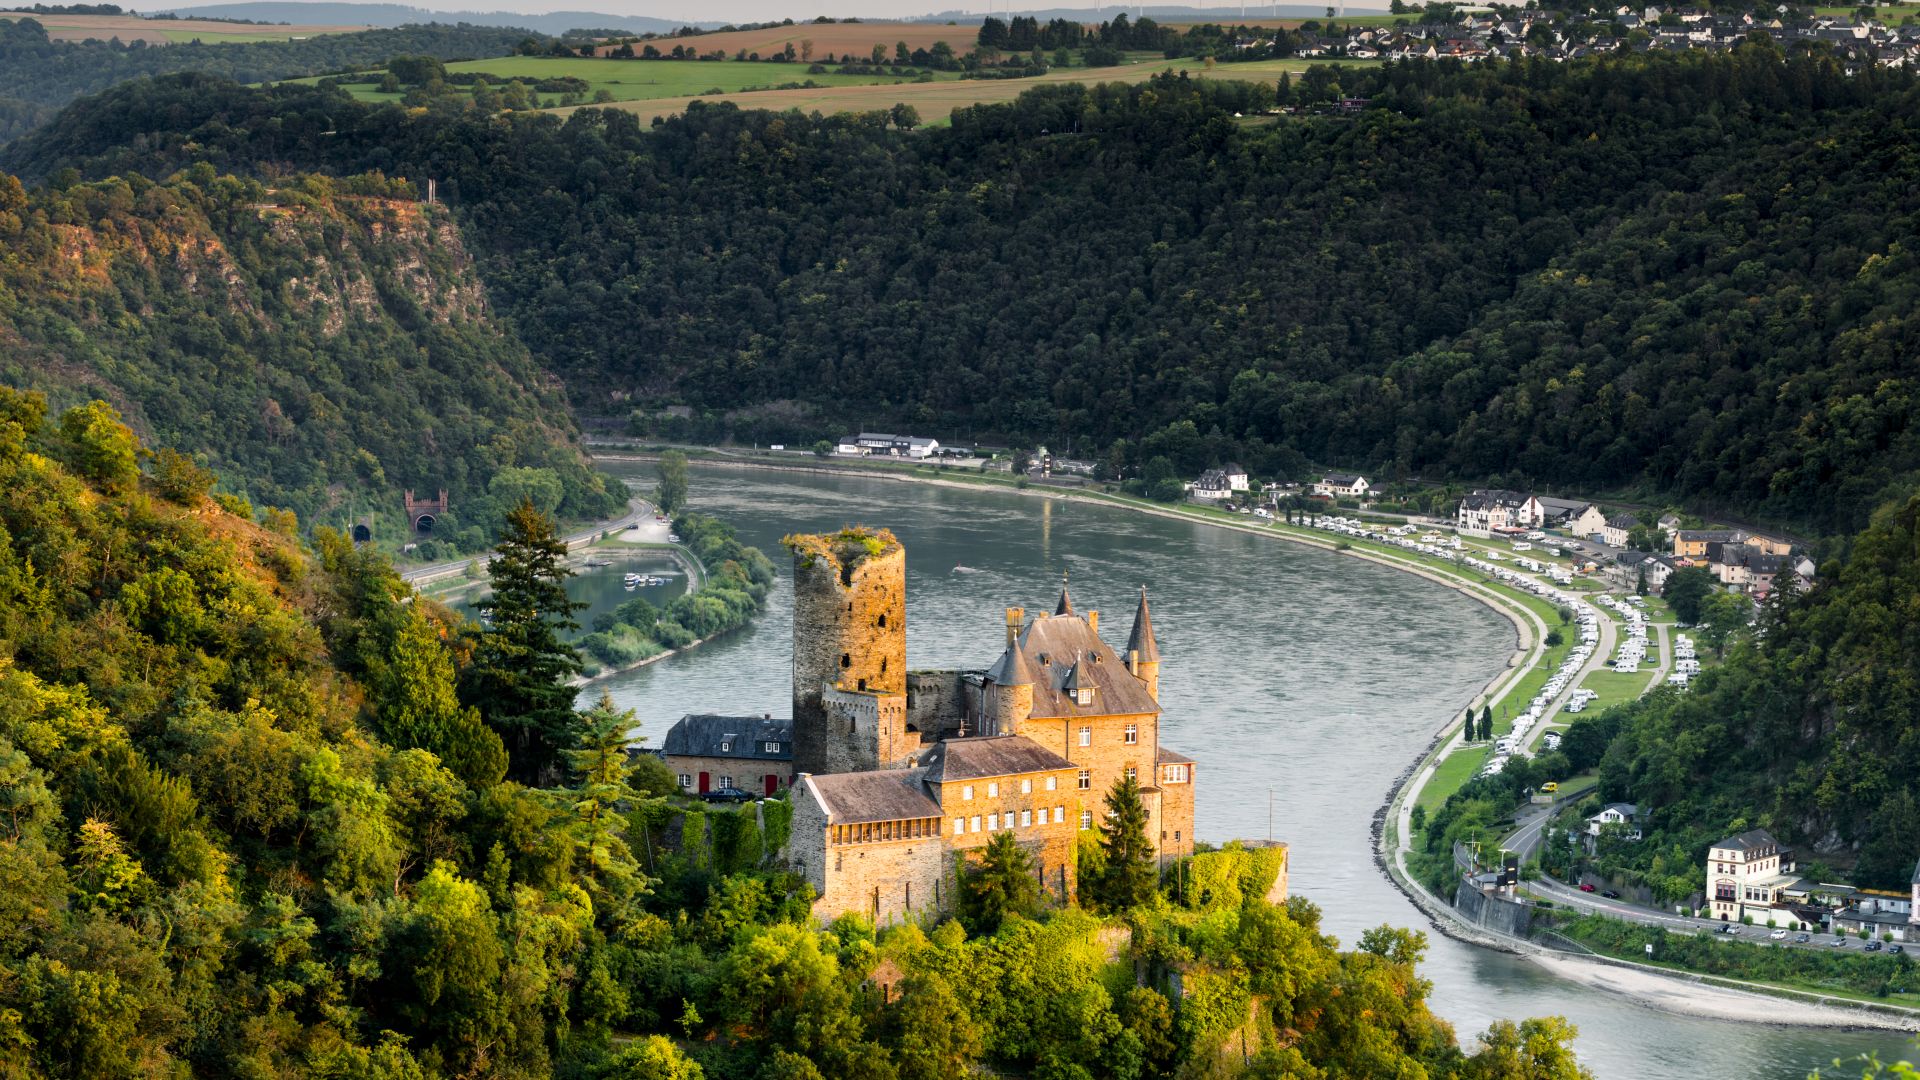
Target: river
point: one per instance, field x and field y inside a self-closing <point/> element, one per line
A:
<point x="1296" y="678"/>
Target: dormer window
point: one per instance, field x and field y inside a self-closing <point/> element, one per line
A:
<point x="1083" y="696"/>
<point x="726" y="747"/>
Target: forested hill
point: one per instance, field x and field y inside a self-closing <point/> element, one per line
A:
<point x="39" y="71"/>
<point x="323" y="343"/>
<point x="1690" y="274"/>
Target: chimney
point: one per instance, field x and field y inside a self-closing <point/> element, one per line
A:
<point x="1093" y="621"/>
<point x="1014" y="617"/>
<point x="1133" y="662"/>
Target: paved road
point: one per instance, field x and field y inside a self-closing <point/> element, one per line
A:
<point x="638" y="511"/>
<point x="1567" y="896"/>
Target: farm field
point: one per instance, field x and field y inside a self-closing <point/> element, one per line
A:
<point x="937" y="100"/>
<point x="836" y="38"/>
<point x="132" y="28"/>
<point x="641" y="81"/>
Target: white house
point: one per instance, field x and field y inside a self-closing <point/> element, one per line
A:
<point x="1747" y="876"/>
<point x="1586" y="522"/>
<point x="1617" y="528"/>
<point x="1619" y="813"/>
<point x="889" y="445"/>
<point x="1342" y="485"/>
<point x="1213" y="486"/>
<point x="1484" y="511"/>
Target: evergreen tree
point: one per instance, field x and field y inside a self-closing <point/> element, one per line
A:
<point x="417" y="705"/>
<point x="1129" y="878"/>
<point x="1002" y="883"/>
<point x="521" y="667"/>
<point x="604" y="792"/>
<point x="1486" y="722"/>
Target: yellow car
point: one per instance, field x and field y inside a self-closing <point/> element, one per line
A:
<point x="1549" y="787"/>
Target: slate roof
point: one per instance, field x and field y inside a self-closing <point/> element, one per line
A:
<point x="1164" y="756"/>
<point x="1052" y="645"/>
<point x="1141" y="640"/>
<point x="1916" y="873"/>
<point x="702" y="734"/>
<point x="1562" y="507"/>
<point x="1012" y="669"/>
<point x="885" y="795"/>
<point x="1480" y="500"/>
<point x="979" y="756"/>
<point x="1341" y="478"/>
<point x="1710" y="536"/>
<point x="1623" y="521"/>
<point x="1747" y="841"/>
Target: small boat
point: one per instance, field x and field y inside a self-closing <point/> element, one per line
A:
<point x="632" y="580"/>
<point x="958" y="569"/>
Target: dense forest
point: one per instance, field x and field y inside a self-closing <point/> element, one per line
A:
<point x="1688" y="274"/>
<point x="257" y="824"/>
<point x="39" y="71"/>
<point x="323" y="344"/>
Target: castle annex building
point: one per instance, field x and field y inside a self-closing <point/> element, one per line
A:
<point x="898" y="772"/>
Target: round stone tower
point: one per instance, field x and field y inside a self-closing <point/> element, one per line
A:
<point x="849" y="650"/>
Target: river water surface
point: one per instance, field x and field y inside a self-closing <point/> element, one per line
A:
<point x="1297" y="678"/>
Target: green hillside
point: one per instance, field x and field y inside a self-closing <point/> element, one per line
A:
<point x="322" y="344"/>
<point x="1685" y="275"/>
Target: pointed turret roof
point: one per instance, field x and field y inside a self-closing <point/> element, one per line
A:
<point x="1012" y="669"/>
<point x="1065" y="606"/>
<point x="1141" y="641"/>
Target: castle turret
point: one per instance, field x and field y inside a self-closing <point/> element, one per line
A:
<point x="1065" y="606"/>
<point x="1009" y="701"/>
<point x="1143" y="656"/>
<point x="849" y="652"/>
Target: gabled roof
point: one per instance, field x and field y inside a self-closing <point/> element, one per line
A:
<point x="980" y="756"/>
<point x="1624" y="809"/>
<point x="884" y="795"/>
<point x="1623" y="521"/>
<point x="1052" y="645"/>
<point x="1339" y="478"/>
<point x="1164" y="756"/>
<point x="1012" y="669"/>
<point x="703" y="735"/>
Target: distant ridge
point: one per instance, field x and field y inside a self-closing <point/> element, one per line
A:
<point x="389" y="15"/>
<point x="1214" y="13"/>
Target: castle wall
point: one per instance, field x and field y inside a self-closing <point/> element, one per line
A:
<point x="1051" y="843"/>
<point x="937" y="702"/>
<point x="861" y="731"/>
<point x="748" y="774"/>
<point x="1176" y="814"/>
<point x="850" y="631"/>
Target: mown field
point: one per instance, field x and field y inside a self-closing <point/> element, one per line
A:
<point x="937" y="100"/>
<point x="642" y="81"/>
<point x="131" y="28"/>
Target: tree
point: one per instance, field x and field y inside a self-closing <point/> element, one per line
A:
<point x="1001" y="884"/>
<point x="1486" y="721"/>
<point x="1536" y="1049"/>
<point x="521" y="670"/>
<point x="1723" y="615"/>
<point x="823" y="448"/>
<point x="905" y="117"/>
<point x="1129" y="879"/>
<point x="670" y="494"/>
<point x="102" y="448"/>
<point x="417" y="704"/>
<point x="1687" y="590"/>
<point x="933" y="1028"/>
<point x="603" y="792"/>
<point x="654" y="1058"/>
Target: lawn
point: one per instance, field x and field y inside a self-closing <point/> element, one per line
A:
<point x="638" y="80"/>
<point x="1614" y="689"/>
<point x="936" y="100"/>
<point x="1452" y="771"/>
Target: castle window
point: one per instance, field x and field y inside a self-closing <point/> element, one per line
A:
<point x="1086" y="819"/>
<point x="1053" y="783"/>
<point x="1133" y="772"/>
<point x="1086" y="779"/>
<point x="959" y="825"/>
<point x="993" y="789"/>
<point x="966" y="792"/>
<point x="974" y="824"/>
<point x="1086" y="736"/>
<point x="1026" y="819"/>
<point x="1026" y="787"/>
<point x="882" y="623"/>
<point x="1176" y="774"/>
<point x="993" y="822"/>
<point x="846" y="660"/>
<point x="1133" y="734"/>
<point x="863" y="684"/>
<point x="686" y="781"/>
<point x="1059" y="815"/>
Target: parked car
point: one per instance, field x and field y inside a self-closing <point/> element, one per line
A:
<point x="1610" y="894"/>
<point x="1584" y="887"/>
<point x="1778" y="935"/>
<point x="727" y="794"/>
<point x="1802" y="939"/>
<point x="1896" y="948"/>
<point x="1838" y="943"/>
<point x="1873" y="946"/>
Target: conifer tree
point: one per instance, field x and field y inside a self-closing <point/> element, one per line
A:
<point x="601" y="797"/>
<point x="521" y="667"/>
<point x="413" y="690"/>
<point x="1129" y="878"/>
<point x="1002" y="883"/>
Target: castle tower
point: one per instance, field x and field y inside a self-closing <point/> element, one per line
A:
<point x="1143" y="656"/>
<point x="1010" y="701"/>
<point x="850" y="652"/>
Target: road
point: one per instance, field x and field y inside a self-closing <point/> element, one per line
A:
<point x="638" y="511"/>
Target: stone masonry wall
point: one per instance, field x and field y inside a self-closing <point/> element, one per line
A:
<point x="1176" y="815"/>
<point x="849" y="630"/>
<point x="937" y="702"/>
<point x="748" y="774"/>
<point x="887" y="881"/>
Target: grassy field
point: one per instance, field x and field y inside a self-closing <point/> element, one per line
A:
<point x="1451" y="774"/>
<point x="132" y="28"/>
<point x="643" y="81"/>
<point x="937" y="100"/>
<point x="1615" y="689"/>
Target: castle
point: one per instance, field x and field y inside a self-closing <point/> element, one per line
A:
<point x="896" y="772"/>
